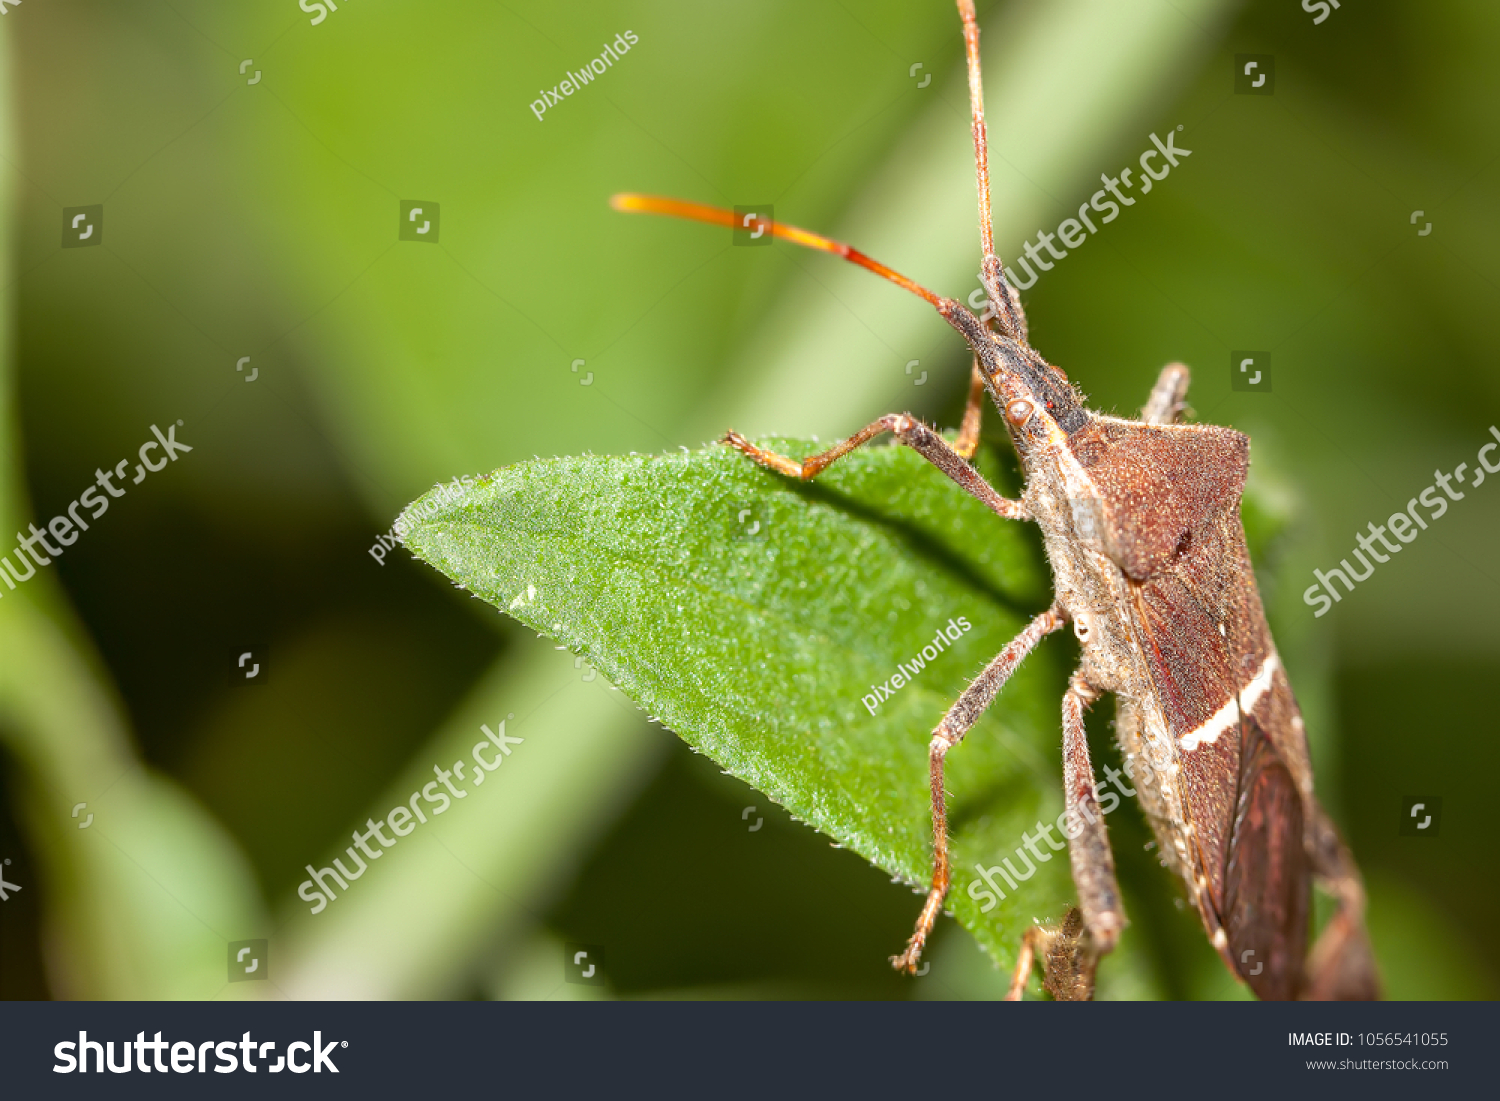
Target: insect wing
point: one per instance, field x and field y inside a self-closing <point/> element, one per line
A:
<point x="1267" y="879"/>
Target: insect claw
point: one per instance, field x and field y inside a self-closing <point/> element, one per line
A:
<point x="908" y="960"/>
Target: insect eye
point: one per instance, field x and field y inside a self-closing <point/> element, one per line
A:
<point x="1018" y="412"/>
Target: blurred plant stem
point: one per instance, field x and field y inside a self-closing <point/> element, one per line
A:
<point x="435" y="903"/>
<point x="141" y="900"/>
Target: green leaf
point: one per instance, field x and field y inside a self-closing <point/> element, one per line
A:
<point x="754" y="616"/>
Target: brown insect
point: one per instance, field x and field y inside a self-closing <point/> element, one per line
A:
<point x="1141" y="524"/>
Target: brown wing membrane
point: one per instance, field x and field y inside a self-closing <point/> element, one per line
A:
<point x="1205" y="640"/>
<point x="1196" y="673"/>
<point x="1267" y="879"/>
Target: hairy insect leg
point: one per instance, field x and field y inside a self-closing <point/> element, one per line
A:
<point x="1168" y="395"/>
<point x="1070" y="951"/>
<point x="1088" y="841"/>
<point x="1068" y="964"/>
<point x="968" y="430"/>
<point x="1005" y="299"/>
<point x="948" y="733"/>
<point x="1341" y="965"/>
<point x="910" y="431"/>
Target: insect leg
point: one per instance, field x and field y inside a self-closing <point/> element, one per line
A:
<point x="1088" y="842"/>
<point x="948" y="733"/>
<point x="910" y="431"/>
<point x="1167" y="396"/>
<point x="1036" y="937"/>
<point x="1005" y="298"/>
<point x="968" y="430"/>
<point x="1341" y="965"/>
<point x="1068" y="965"/>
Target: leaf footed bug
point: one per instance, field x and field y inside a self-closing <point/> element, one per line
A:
<point x="1140" y="520"/>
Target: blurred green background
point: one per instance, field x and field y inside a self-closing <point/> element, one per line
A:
<point x="260" y="219"/>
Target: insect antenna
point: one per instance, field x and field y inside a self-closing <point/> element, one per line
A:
<point x="1009" y="316"/>
<point x="718" y="216"/>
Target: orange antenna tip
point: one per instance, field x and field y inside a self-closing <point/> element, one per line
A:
<point x="631" y="203"/>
